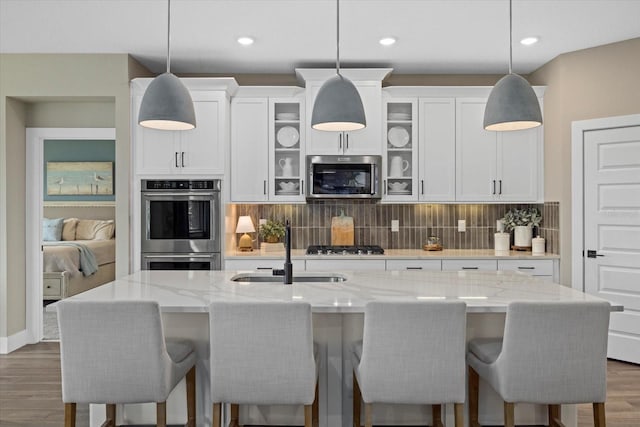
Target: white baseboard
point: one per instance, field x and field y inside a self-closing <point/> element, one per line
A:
<point x="14" y="342"/>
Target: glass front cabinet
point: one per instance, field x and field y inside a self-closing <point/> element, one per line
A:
<point x="400" y="153"/>
<point x="286" y="149"/>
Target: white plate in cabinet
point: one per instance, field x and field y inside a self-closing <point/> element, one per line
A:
<point x="469" y="264"/>
<point x="540" y="267"/>
<point x="345" y="264"/>
<point x="260" y="265"/>
<point x="414" y="264"/>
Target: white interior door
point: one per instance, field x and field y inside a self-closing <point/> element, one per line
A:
<point x="612" y="231"/>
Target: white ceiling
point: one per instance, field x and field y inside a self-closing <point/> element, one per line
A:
<point x="434" y="36"/>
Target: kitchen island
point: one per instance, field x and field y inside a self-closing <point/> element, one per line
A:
<point x="184" y="297"/>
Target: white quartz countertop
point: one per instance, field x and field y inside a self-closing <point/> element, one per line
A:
<point x="193" y="291"/>
<point x="397" y="254"/>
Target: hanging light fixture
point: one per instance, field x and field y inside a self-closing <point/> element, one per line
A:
<point x="167" y="104"/>
<point x="338" y="106"/>
<point x="512" y="103"/>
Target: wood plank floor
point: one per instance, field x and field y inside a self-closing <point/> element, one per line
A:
<point x="30" y="394"/>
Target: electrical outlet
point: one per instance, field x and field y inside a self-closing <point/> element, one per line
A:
<point x="262" y="221"/>
<point x="462" y="225"/>
<point x="395" y="225"/>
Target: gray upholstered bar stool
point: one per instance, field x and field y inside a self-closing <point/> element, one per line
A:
<point x="115" y="352"/>
<point x="552" y="353"/>
<point x="411" y="353"/>
<point x="263" y="354"/>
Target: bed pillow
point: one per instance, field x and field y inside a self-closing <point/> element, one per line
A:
<point x="69" y="226"/>
<point x="52" y="229"/>
<point x="95" y="229"/>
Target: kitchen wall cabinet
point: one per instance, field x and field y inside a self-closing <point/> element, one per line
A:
<point x="400" y="155"/>
<point x="495" y="166"/>
<point x="200" y="151"/>
<point x="366" y="141"/>
<point x="267" y="149"/>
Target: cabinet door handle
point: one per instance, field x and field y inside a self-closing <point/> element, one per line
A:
<point x="182" y="159"/>
<point x="301" y="186"/>
<point x="340" y="142"/>
<point x="494" y="187"/>
<point x="384" y="186"/>
<point x="500" y="187"/>
<point x="526" y="268"/>
<point x="414" y="268"/>
<point x="177" y="165"/>
<point x="346" y="141"/>
<point x="264" y="187"/>
<point x="264" y="268"/>
<point x="422" y="186"/>
<point x="469" y="268"/>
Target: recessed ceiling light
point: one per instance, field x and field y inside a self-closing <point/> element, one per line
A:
<point x="387" y="41"/>
<point x="245" y="41"/>
<point x="528" y="41"/>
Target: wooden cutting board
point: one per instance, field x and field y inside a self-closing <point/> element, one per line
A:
<point x="342" y="230"/>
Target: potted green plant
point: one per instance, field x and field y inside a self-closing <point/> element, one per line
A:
<point x="522" y="221"/>
<point x="271" y="232"/>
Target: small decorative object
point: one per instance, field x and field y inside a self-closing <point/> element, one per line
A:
<point x="433" y="244"/>
<point x="271" y="231"/>
<point x="522" y="222"/>
<point x="538" y="246"/>
<point x="501" y="243"/>
<point x="245" y="225"/>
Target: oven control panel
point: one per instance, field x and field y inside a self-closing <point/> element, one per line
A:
<point x="181" y="184"/>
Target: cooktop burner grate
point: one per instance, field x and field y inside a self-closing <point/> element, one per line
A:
<point x="345" y="250"/>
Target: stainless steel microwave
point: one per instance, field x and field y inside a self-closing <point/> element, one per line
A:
<point x="343" y="177"/>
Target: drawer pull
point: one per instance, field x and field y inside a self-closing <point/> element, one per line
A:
<point x="469" y="268"/>
<point x="264" y="268"/>
<point x="48" y="286"/>
<point x="414" y="268"/>
<point x="526" y="268"/>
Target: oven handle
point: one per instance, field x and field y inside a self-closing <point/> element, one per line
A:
<point x="186" y="194"/>
<point x="178" y="256"/>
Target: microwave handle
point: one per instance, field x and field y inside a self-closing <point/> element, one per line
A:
<point x="374" y="174"/>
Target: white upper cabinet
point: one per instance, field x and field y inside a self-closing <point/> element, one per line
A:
<point x="495" y="166"/>
<point x="366" y="141"/>
<point x="200" y="151"/>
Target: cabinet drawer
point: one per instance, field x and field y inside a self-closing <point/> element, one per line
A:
<point x="52" y="288"/>
<point x="260" y="265"/>
<point x="414" y="264"/>
<point x="345" y="264"/>
<point x="539" y="267"/>
<point x="469" y="264"/>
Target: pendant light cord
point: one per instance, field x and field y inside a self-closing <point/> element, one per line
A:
<point x="510" y="38"/>
<point x="338" y="37"/>
<point x="168" y="36"/>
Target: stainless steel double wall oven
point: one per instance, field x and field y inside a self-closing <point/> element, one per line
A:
<point x="181" y="225"/>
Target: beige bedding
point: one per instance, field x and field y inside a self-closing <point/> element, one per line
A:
<point x="67" y="258"/>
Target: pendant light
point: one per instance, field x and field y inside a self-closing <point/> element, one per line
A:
<point x="167" y="104"/>
<point x="512" y="103"/>
<point x="338" y="106"/>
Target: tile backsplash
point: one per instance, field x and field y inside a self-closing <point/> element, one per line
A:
<point x="311" y="222"/>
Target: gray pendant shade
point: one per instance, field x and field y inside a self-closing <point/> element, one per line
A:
<point x="512" y="105"/>
<point x="338" y="106"/>
<point x="167" y="105"/>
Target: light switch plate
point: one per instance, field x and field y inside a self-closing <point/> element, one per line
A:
<point x="462" y="225"/>
<point x="395" y="225"/>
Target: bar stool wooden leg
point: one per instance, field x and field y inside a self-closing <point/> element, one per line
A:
<point x="357" y="399"/>
<point x="509" y="419"/>
<point x="368" y="415"/>
<point x="315" y="413"/>
<point x="191" y="397"/>
<point x="69" y="415"/>
<point x="555" y="416"/>
<point x="161" y="414"/>
<point x="308" y="415"/>
<point x="598" y="415"/>
<point x="217" y="409"/>
<point x="110" y="411"/>
<point x="458" y="409"/>
<point x="235" y="415"/>
<point x="474" y="386"/>
<point x="436" y="415"/>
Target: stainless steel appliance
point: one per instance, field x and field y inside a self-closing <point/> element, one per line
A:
<point x="181" y="224"/>
<point x="345" y="250"/>
<point x="343" y="177"/>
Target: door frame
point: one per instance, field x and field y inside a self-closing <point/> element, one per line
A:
<point x="35" y="138"/>
<point x="578" y="129"/>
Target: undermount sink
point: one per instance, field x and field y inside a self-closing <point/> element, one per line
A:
<point x="305" y="278"/>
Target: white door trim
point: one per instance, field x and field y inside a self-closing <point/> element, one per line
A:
<point x="578" y="128"/>
<point x="34" y="171"/>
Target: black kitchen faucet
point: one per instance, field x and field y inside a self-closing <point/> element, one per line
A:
<point x="287" y="272"/>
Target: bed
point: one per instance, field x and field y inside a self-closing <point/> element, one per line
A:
<point x="65" y="271"/>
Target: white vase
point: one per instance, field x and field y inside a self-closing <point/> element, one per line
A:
<point x="522" y="235"/>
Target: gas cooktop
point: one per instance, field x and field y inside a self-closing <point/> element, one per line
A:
<point x="345" y="250"/>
